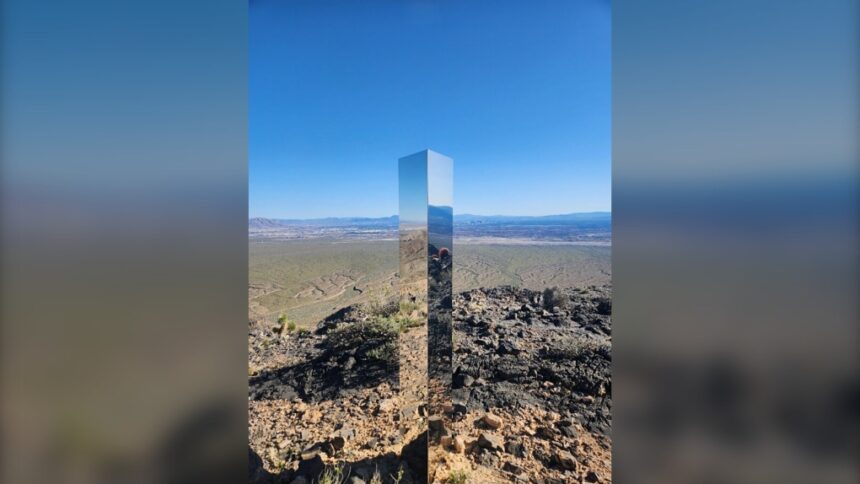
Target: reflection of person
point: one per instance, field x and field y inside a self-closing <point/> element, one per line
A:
<point x="439" y="254"/>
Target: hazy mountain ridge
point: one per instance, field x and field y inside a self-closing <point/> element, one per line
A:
<point x="263" y="223"/>
<point x="580" y="228"/>
<point x="268" y="223"/>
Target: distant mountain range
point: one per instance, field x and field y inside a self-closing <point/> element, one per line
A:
<point x="582" y="218"/>
<point x="272" y="223"/>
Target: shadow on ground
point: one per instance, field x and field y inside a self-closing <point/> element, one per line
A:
<point x="340" y="358"/>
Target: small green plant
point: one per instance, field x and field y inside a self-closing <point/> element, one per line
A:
<point x="398" y="477"/>
<point x="458" y="477"/>
<point x="333" y="475"/>
<point x="376" y="478"/>
<point x="380" y="302"/>
<point x="398" y="323"/>
<point x="284" y="324"/>
<point x="407" y="307"/>
<point x="304" y="332"/>
<point x="405" y="323"/>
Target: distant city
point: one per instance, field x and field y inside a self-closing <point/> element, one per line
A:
<point x="591" y="228"/>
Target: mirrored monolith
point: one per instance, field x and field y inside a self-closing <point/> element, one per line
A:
<point x="426" y="347"/>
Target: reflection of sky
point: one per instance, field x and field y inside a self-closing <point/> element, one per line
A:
<point x="440" y="178"/>
<point x="413" y="189"/>
<point x="427" y="195"/>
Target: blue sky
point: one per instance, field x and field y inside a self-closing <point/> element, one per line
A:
<point x="517" y="93"/>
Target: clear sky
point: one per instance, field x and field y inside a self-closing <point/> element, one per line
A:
<point x="516" y="92"/>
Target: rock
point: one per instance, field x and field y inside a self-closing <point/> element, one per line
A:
<point x="591" y="477"/>
<point x="410" y="411"/>
<point x="541" y="455"/>
<point x="311" y="467"/>
<point x="336" y="444"/>
<point x="515" y="448"/>
<point x="507" y="347"/>
<point x="490" y="441"/>
<point x="348" y="433"/>
<point x="356" y="480"/>
<point x="462" y="380"/>
<point x="512" y="468"/>
<point x="568" y="431"/>
<point x="436" y="425"/>
<point x="565" y="459"/>
<point x="387" y="405"/>
<point x="604" y="306"/>
<point x="310" y="452"/>
<point x="487" y="458"/>
<point x="493" y="421"/>
<point x="555" y="376"/>
<point x="459" y="444"/>
<point x="545" y="433"/>
<point x="363" y="472"/>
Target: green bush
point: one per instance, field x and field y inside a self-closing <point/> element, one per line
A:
<point x="381" y="303"/>
<point x="398" y="323"/>
<point x="458" y="477"/>
<point x="407" y="307"/>
<point x="284" y="324"/>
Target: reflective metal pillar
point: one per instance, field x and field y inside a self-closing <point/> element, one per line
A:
<point x="426" y="254"/>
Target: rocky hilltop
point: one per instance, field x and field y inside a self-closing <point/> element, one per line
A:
<point x="531" y="394"/>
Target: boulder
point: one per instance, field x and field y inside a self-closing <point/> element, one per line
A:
<point x="493" y="421"/>
<point x="491" y="441"/>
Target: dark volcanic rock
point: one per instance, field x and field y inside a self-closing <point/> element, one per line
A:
<point x="515" y="448"/>
<point x="565" y="347"/>
<point x="507" y="347"/>
<point x="544" y="370"/>
<point x="311" y="467"/>
<point x="463" y="380"/>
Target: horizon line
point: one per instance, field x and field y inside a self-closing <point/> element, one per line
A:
<point x="456" y="214"/>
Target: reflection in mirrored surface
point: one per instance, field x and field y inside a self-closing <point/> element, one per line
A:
<point x="426" y="243"/>
<point x="440" y="230"/>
